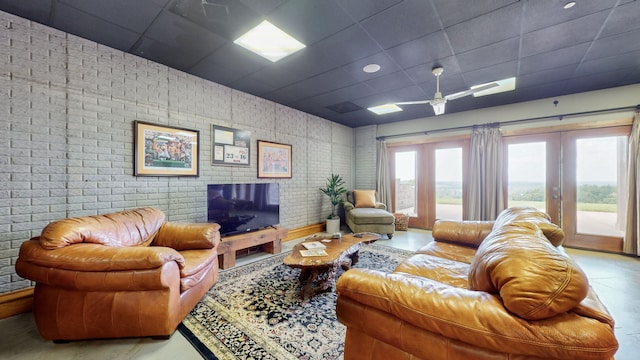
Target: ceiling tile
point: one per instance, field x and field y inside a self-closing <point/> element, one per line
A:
<point x="361" y="10"/>
<point x="494" y="27"/>
<point x="73" y="21"/>
<point x="387" y="66"/>
<point x="489" y="74"/>
<point x="426" y="49"/>
<point x="348" y="93"/>
<point x="403" y="22"/>
<point x="453" y="12"/>
<point x="36" y="10"/>
<point x="310" y="21"/>
<point x="542" y="14"/>
<point x="475" y="41"/>
<point x="232" y="56"/>
<point x="623" y="18"/>
<point x="621" y="61"/>
<point x="613" y="45"/>
<point x="553" y="59"/>
<point x="139" y="16"/>
<point x="563" y="35"/>
<point x="489" y="55"/>
<point x="388" y="82"/>
<point x="545" y="76"/>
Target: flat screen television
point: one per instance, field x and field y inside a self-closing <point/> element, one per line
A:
<point x="240" y="208"/>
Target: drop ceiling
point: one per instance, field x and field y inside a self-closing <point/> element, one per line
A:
<point x="551" y="51"/>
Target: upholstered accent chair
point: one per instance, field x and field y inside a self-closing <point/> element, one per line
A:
<point x="363" y="213"/>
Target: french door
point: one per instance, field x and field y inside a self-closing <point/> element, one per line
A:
<point x="577" y="177"/>
<point x="428" y="181"/>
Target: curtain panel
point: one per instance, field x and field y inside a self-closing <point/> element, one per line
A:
<point x="485" y="199"/>
<point x="631" y="241"/>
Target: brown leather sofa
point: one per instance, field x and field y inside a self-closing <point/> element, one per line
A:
<point x="481" y="290"/>
<point x="124" y="274"/>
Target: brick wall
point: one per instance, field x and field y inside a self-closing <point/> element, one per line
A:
<point x="66" y="112"/>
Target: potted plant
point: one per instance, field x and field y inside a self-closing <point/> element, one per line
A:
<point x="334" y="189"/>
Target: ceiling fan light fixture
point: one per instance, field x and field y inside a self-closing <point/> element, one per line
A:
<point x="438" y="107"/>
<point x="269" y="41"/>
<point x="385" y="109"/>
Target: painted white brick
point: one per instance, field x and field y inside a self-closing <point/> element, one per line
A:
<point x="67" y="112"/>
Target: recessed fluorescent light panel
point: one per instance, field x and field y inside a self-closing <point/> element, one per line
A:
<point x="269" y="42"/>
<point x="385" y="109"/>
<point x="503" y="85"/>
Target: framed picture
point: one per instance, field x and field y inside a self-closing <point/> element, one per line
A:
<point x="161" y="150"/>
<point x="230" y="146"/>
<point x="274" y="160"/>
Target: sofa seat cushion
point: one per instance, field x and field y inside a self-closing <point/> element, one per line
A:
<point x="534" y="279"/>
<point x="361" y="216"/>
<point x="126" y="228"/>
<point x="198" y="263"/>
<point x="463" y="254"/>
<point x="443" y="270"/>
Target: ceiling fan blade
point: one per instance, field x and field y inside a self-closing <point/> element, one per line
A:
<point x="471" y="91"/>
<point x="419" y="102"/>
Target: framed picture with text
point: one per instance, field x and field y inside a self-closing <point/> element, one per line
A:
<point x="274" y="160"/>
<point x="161" y="150"/>
<point x="230" y="146"/>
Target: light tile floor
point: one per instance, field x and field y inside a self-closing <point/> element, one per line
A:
<point x="616" y="279"/>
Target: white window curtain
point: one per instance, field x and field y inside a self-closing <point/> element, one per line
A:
<point x="485" y="199"/>
<point x="631" y="243"/>
<point x="383" y="183"/>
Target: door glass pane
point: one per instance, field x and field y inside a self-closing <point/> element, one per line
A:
<point x="449" y="183"/>
<point x="406" y="192"/>
<point x="601" y="185"/>
<point x="527" y="175"/>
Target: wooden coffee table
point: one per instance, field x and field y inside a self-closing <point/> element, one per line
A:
<point x="341" y="252"/>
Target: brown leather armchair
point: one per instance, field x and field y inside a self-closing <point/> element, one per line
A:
<point x="481" y="290"/>
<point x="124" y="274"/>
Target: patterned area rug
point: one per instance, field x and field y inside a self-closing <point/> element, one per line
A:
<point x="255" y="312"/>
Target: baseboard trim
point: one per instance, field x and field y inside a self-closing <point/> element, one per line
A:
<point x="16" y="302"/>
<point x="21" y="301"/>
<point x="304" y="231"/>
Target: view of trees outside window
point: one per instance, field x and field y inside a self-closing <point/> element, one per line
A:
<point x="527" y="174"/>
<point x="601" y="179"/>
<point x="449" y="183"/>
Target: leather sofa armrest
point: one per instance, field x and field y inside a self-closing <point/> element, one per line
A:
<point x="470" y="233"/>
<point x="473" y="317"/>
<point x="188" y="236"/>
<point x="94" y="257"/>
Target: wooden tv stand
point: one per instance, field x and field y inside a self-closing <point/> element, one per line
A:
<point x="270" y="239"/>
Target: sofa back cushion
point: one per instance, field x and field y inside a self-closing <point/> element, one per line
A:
<point x="126" y="228"/>
<point x="535" y="279"/>
<point x="551" y="231"/>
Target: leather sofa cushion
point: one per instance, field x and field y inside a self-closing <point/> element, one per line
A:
<point x="363" y="216"/>
<point x="188" y="236"/>
<point x="125" y="228"/>
<point x="534" y="279"/>
<point x="364" y="198"/>
<point x="198" y="264"/>
<point x="443" y="270"/>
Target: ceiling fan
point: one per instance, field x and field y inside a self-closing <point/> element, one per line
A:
<point x="438" y="102"/>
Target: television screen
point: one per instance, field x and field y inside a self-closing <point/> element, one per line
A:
<point x="240" y="208"/>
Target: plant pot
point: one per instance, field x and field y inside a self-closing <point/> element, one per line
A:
<point x="333" y="226"/>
